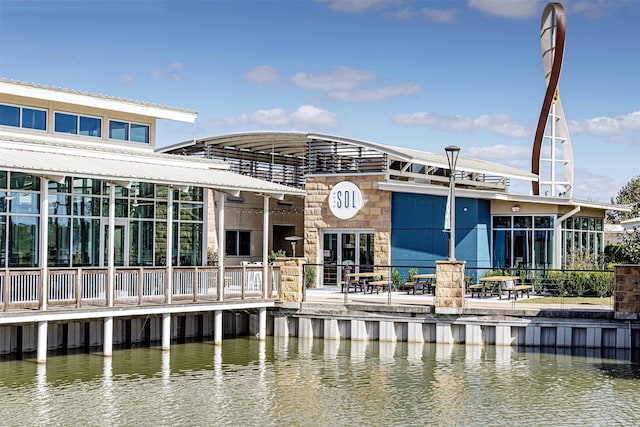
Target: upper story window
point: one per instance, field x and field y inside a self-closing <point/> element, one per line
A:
<point x="78" y="125"/>
<point x="24" y="117"/>
<point x="125" y="131"/>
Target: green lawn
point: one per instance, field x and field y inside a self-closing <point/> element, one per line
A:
<point x="606" y="301"/>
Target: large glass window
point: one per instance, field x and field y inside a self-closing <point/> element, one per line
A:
<point x="59" y="241"/>
<point x="65" y="123"/>
<point x="9" y="115"/>
<point x="583" y="241"/>
<point x="523" y="241"/>
<point x="78" y="125"/>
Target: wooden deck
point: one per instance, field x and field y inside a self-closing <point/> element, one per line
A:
<point x="23" y="289"/>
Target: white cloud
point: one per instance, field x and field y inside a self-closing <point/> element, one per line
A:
<point x="377" y="94"/>
<point x="305" y="117"/>
<point x="515" y="9"/>
<point x="173" y="72"/>
<point x="501" y="153"/>
<point x="127" y="79"/>
<point x="263" y="74"/>
<point x="313" y="117"/>
<point x="358" y="6"/>
<point x="274" y="117"/>
<point x="439" y="16"/>
<point x="230" y="122"/>
<point x="339" y="78"/>
<point x="625" y="127"/>
<point x="501" y="124"/>
<point x="346" y="84"/>
<point x="595" y="187"/>
<point x="157" y="75"/>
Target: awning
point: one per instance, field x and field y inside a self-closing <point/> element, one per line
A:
<point x="119" y="165"/>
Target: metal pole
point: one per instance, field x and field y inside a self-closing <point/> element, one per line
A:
<point x="452" y="157"/>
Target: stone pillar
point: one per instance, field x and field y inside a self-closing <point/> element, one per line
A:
<point x="450" y="287"/>
<point x="626" y="291"/>
<point x="291" y="279"/>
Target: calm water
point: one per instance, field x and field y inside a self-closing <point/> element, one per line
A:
<point x="300" y="383"/>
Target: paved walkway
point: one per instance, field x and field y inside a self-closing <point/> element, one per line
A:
<point x="333" y="295"/>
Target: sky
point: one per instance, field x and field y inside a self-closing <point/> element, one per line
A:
<point x="407" y="73"/>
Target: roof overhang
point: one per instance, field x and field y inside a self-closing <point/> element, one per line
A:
<point x="437" y="190"/>
<point x="122" y="167"/>
<point x="30" y="90"/>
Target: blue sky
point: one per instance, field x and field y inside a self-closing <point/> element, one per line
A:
<point x="417" y="74"/>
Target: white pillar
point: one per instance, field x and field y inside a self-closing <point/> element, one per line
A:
<point x="169" y="251"/>
<point x="42" y="342"/>
<point x="221" y="248"/>
<point x="110" y="250"/>
<point x="265" y="247"/>
<point x="281" y="326"/>
<point x="331" y="331"/>
<point x="107" y="345"/>
<point x="444" y="333"/>
<point x="387" y="331"/>
<point x="358" y="330"/>
<point x="473" y="334"/>
<point x="305" y="329"/>
<point x="166" y="331"/>
<point x="44" y="241"/>
<point x="262" y="331"/>
<point x="503" y="335"/>
<point x="217" y="327"/>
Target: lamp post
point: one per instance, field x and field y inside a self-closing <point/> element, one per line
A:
<point x="452" y="157"/>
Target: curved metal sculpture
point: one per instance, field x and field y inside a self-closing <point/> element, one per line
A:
<point x="557" y="163"/>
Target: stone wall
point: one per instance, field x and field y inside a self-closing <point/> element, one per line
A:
<point x="375" y="214"/>
<point x="626" y="291"/>
<point x="450" y="287"/>
<point x="290" y="279"/>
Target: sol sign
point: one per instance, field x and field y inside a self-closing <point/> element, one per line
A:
<point x="345" y="200"/>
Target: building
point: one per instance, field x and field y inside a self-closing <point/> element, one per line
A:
<point x="373" y="204"/>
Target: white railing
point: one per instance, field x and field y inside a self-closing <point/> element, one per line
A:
<point x="79" y="287"/>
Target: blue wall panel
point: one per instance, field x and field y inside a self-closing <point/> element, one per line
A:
<point x="417" y="238"/>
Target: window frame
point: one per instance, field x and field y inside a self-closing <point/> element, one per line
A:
<point x="128" y="131"/>
<point x="20" y="123"/>
<point x="79" y="118"/>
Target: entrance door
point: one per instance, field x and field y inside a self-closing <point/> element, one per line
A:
<point x="343" y="249"/>
<point x="121" y="243"/>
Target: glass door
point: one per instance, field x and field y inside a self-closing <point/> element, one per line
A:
<point x="121" y="243"/>
<point x="343" y="250"/>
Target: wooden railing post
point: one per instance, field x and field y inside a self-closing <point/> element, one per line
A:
<point x="195" y="285"/>
<point x="79" y="288"/>
<point x="140" y="282"/>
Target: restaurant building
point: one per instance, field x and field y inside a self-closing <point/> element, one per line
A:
<point x="372" y="204"/>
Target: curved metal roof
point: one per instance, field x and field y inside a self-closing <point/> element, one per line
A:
<point x="294" y="144"/>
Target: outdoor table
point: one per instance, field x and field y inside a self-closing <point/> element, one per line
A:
<point x="428" y="280"/>
<point x="497" y="285"/>
<point x="358" y="280"/>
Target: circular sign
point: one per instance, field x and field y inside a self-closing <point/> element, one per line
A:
<point x="345" y="200"/>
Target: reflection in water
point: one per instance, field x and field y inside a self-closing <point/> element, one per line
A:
<point x="316" y="383"/>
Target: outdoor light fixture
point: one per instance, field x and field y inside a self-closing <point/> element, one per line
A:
<point x="515" y="208"/>
<point x="450" y="215"/>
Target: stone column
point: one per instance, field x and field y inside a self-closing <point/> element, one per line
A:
<point x="626" y="291"/>
<point x="450" y="287"/>
<point x="291" y="279"/>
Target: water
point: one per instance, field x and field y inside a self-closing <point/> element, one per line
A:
<point x="290" y="382"/>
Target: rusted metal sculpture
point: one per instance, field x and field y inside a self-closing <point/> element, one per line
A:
<point x="556" y="178"/>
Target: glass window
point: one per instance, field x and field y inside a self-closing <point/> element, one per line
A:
<point x="118" y="130"/>
<point x="3" y="203"/>
<point x="86" y="206"/>
<point x="90" y="126"/>
<point x="522" y="222"/>
<point x="34" y="119"/>
<point x="23" y="239"/>
<point x="3" y="179"/>
<point x="543" y="221"/>
<point x="9" y="115"/>
<point x="501" y="222"/>
<point x="238" y="243"/>
<point x="86" y="242"/>
<point x="66" y="123"/>
<point x="3" y="225"/>
<point x="59" y="205"/>
<point x="139" y="133"/>
<point x="22" y="181"/>
<point x="24" y="203"/>
<point x="59" y="242"/>
<point x="502" y="248"/>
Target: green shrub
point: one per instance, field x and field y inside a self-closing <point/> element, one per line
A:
<point x="411" y="274"/>
<point x="309" y="275"/>
<point x="396" y="279"/>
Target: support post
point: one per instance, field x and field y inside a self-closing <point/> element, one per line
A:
<point x="262" y="331"/>
<point x="265" y="248"/>
<point x="169" y="254"/>
<point x="44" y="243"/>
<point x="42" y="342"/>
<point x="166" y="331"/>
<point x="221" y="244"/>
<point x="217" y="327"/>
<point x="108" y="337"/>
